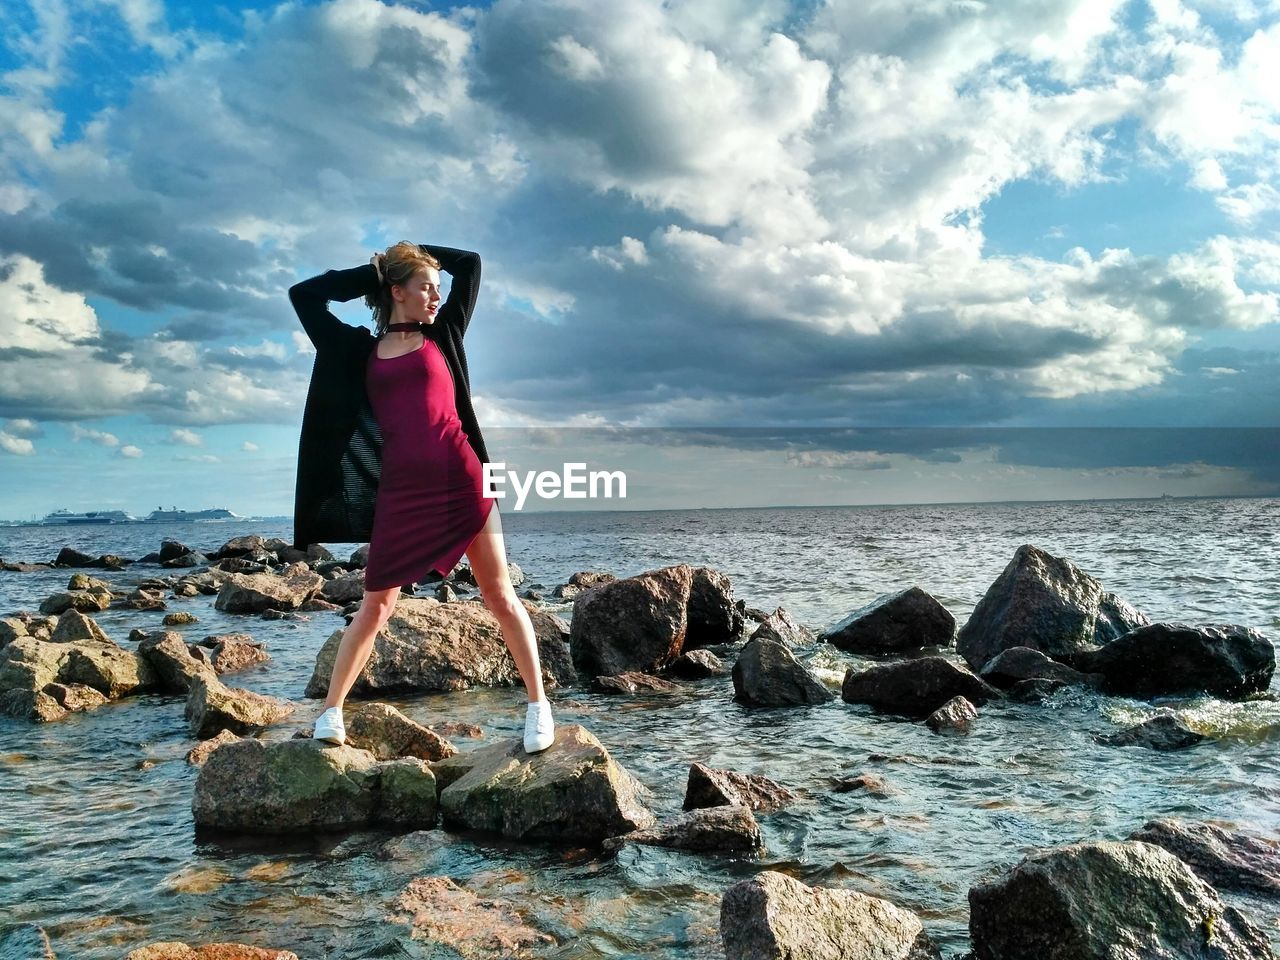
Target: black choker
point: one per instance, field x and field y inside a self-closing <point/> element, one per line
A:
<point x="415" y="325"/>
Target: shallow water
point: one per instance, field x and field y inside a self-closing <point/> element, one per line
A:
<point x="98" y="846"/>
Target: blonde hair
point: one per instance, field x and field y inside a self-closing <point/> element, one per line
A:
<point x="397" y="265"/>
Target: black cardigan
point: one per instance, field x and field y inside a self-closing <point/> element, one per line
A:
<point x="340" y="447"/>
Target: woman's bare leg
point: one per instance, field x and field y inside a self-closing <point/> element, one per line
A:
<point x="357" y="642"/>
<point x="488" y="558"/>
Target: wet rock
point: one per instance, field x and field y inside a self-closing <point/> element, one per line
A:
<point x="198" y="754"/>
<point x="70" y="557"/>
<point x="250" y="544"/>
<point x="772" y="915"/>
<point x="11" y="628"/>
<point x="82" y="581"/>
<point x="1035" y="691"/>
<point x="580" y="582"/>
<point x="900" y="622"/>
<point x="867" y="783"/>
<point x="638" y="623"/>
<point x="428" y="646"/>
<point x="768" y="674"/>
<point x="172" y="549"/>
<point x="915" y="687"/>
<point x="1043" y="602"/>
<point x="176" y="950"/>
<point x="712" y="617"/>
<point x="179" y="618"/>
<point x="462" y="574"/>
<point x="446" y="594"/>
<point x="443" y="911"/>
<point x="75" y="697"/>
<point x="301" y="785"/>
<point x="315" y="605"/>
<point x="25" y="941"/>
<point x="85" y="601"/>
<point x="709" y="787"/>
<point x="1116" y="617"/>
<point x="697" y="665"/>
<point x="172" y="660"/>
<point x="1164" y="732"/>
<point x="345" y="589"/>
<point x="572" y="791"/>
<point x="1081" y="901"/>
<point x="1228" y="860"/>
<point x="258" y="592"/>
<point x="1176" y="659"/>
<point x="107" y="668"/>
<point x="193" y="559"/>
<point x="212" y="706"/>
<point x="1017" y="664"/>
<point x="388" y="734"/>
<point x="779" y="626"/>
<point x="954" y="716"/>
<point x="233" y="652"/>
<point x="142" y="599"/>
<point x="728" y="829"/>
<point x="633" y="681"/>
<point x="74" y="626"/>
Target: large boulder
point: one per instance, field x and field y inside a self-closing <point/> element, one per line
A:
<point x="430" y="646"/>
<point x="772" y="916"/>
<point x="304" y="785"/>
<point x="712" y="617"/>
<point x="636" y="623"/>
<point x="1107" y="899"/>
<point x="1046" y="603"/>
<point x="768" y="674"/>
<point x="915" y="687"/>
<point x="1173" y="659"/>
<point x="259" y="592"/>
<point x="782" y="627"/>
<point x="572" y="791"/>
<point x="901" y="622"/>
<point x="1229" y="860"/>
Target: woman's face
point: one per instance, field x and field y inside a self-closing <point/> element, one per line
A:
<point x="420" y="298"/>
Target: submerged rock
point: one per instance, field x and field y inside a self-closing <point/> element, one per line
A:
<point x="444" y="912"/>
<point x="730" y="828"/>
<point x="768" y="674"/>
<point x="633" y="681"/>
<point x="915" y="687"/>
<point x="1084" y="900"/>
<point x="900" y="622"/>
<point x="772" y="916"/>
<point x="1164" y="732"/>
<point x="571" y="791"/>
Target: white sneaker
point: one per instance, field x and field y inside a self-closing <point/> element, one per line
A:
<point x="539" y="729"/>
<point x="329" y="726"/>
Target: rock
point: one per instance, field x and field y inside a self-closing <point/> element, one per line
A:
<point x="212" y="706"/>
<point x="781" y="627"/>
<point x="772" y="916"/>
<point x="198" y="754"/>
<point x="915" y="687"/>
<point x="446" y="594"/>
<point x="141" y="599"/>
<point x="75" y="697"/>
<point x="954" y="716"/>
<point x="345" y="589"/>
<point x="442" y="911"/>
<point x="109" y="561"/>
<point x="580" y="582"/>
<point x="107" y="668"/>
<point x="1017" y="664"/>
<point x="70" y="557"/>
<point x="430" y="646"/>
<point x="359" y="557"/>
<point x="1174" y="659"/>
<point x="388" y="734"/>
<point x="1164" y="732"/>
<point x="301" y="785"/>
<point x="901" y="622"/>
<point x="708" y="787"/>
<point x="74" y="625"/>
<point x="82" y="581"/>
<point x="250" y="544"/>
<point x="1227" y="860"/>
<point x="1084" y="900"/>
<point x="1116" y="617"/>
<point x="712" y="617"/>
<point x="173" y="662"/>
<point x="193" y="559"/>
<point x="1035" y="691"/>
<point x="233" y="652"/>
<point x="572" y="791"/>
<point x="633" y="681"/>
<point x="1043" y="602"/>
<point x="259" y="592"/>
<point x="83" y="600"/>
<point x="697" y="665"/>
<point x="638" y="623"/>
<point x="726" y="828"/>
<point x="866" y="782"/>
<point x="34" y="705"/>
<point x="179" y="618"/>
<point x="172" y="549"/>
<point x="11" y="628"/>
<point x="767" y="674"/>
<point x="176" y="950"/>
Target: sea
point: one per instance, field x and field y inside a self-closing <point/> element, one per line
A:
<point x="98" y="848"/>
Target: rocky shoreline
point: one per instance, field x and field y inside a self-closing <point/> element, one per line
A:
<point x="1043" y="624"/>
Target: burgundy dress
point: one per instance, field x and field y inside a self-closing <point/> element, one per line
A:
<point x="431" y="501"/>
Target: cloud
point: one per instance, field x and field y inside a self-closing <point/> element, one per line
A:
<point x="18" y="446"/>
<point x="130" y="451"/>
<point x="101" y="438"/>
<point x="186" y="437"/>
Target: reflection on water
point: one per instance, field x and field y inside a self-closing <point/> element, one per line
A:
<point x="97" y="843"/>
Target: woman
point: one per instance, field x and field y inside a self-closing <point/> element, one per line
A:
<point x="420" y="457"/>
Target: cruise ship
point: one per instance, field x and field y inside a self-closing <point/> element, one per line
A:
<point x="64" y="516"/>
<point x="174" y="515"/>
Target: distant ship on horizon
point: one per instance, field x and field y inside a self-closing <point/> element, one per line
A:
<point x="65" y="517"/>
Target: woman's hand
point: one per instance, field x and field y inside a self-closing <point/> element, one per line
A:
<point x="376" y="260"/>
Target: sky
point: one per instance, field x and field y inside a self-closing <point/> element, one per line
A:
<point x="749" y="252"/>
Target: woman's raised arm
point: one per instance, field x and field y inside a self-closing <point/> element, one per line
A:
<point x="463" y="267"/>
<point x="310" y="299"/>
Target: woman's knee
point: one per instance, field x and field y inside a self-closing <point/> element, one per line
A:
<point x="380" y="603"/>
